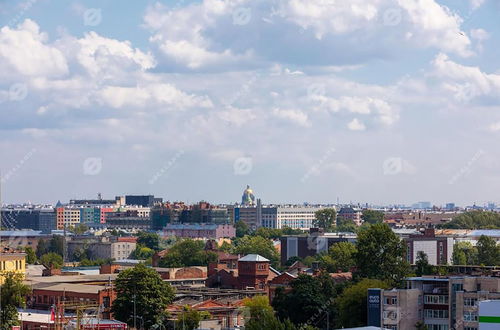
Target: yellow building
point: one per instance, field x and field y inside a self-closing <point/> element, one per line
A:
<point x="12" y="262"/>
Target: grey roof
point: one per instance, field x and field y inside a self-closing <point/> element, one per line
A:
<point x="485" y="232"/>
<point x="253" y="257"/>
<point x="21" y="233"/>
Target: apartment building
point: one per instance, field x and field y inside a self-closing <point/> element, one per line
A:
<point x="351" y="213"/>
<point x="439" y="249"/>
<point x="441" y="303"/>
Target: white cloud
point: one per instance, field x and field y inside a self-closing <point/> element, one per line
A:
<point x="467" y="81"/>
<point x="475" y="4"/>
<point x="24" y="52"/>
<point x="356" y="125"/>
<point x="151" y="95"/>
<point x="494" y="127"/>
<point x="296" y="116"/>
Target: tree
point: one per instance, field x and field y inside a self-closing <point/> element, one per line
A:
<point x="56" y="244"/>
<point x="142" y="252"/>
<point x="30" y="255"/>
<point x="143" y="288"/>
<point x="13" y="294"/>
<point x="260" y="315"/>
<point x="150" y="240"/>
<point x="464" y="253"/>
<point x="372" y="216"/>
<point x="346" y="225"/>
<point x="242" y="229"/>
<point x="310" y="300"/>
<point x="420" y="325"/>
<point x="187" y="253"/>
<point x="381" y="255"/>
<point x="475" y="220"/>
<point x="422" y="264"/>
<point x="488" y="253"/>
<point x="79" y="229"/>
<point x="51" y="260"/>
<point x="325" y="218"/>
<point x="190" y="318"/>
<point x="257" y="245"/>
<point x="352" y="305"/>
<point x="340" y="257"/>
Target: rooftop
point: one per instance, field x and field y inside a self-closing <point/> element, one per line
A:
<point x="253" y="257"/>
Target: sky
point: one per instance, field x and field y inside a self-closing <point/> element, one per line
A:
<point x="369" y="101"/>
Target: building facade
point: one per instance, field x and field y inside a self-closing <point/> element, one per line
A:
<point x="439" y="249"/>
<point x="200" y="231"/>
<point x="12" y="261"/>
<point x="309" y="245"/>
<point x="441" y="303"/>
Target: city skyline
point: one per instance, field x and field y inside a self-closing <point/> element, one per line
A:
<point x="384" y="102"/>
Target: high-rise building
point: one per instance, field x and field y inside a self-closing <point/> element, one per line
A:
<point x="43" y="219"/>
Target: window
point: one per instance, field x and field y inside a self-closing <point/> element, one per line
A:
<point x="470" y="328"/>
<point x="390" y="300"/>
<point x="470" y="316"/>
<point x="436" y="299"/>
<point x="437" y="326"/>
<point x="470" y="301"/>
<point x="436" y="313"/>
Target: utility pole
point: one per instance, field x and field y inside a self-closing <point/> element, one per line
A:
<point x="135" y="315"/>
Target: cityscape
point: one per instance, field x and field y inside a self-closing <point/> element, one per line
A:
<point x="249" y="165"/>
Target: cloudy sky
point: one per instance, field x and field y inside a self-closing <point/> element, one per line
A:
<point x="378" y="101"/>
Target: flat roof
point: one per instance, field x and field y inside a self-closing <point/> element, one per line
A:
<point x="70" y="287"/>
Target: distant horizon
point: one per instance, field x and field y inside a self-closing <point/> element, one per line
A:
<point x="386" y="101"/>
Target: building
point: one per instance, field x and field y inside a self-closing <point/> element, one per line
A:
<point x="43" y="219"/>
<point x="100" y="248"/>
<point x="200" y="231"/>
<point x="128" y="220"/>
<point x="12" y="261"/>
<point x="253" y="273"/>
<point x="489" y="314"/>
<point x="140" y="200"/>
<point x="44" y="296"/>
<point x="439" y="249"/>
<point x="309" y="245"/>
<point x="350" y="213"/>
<point x="291" y="216"/>
<point x="248" y="198"/>
<point x="17" y="239"/>
<point x="441" y="303"/>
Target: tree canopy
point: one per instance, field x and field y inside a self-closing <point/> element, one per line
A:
<point x="340" y="257"/>
<point x="151" y="295"/>
<point x="187" y="252"/>
<point x="150" y="240"/>
<point x="422" y="264"/>
<point x="257" y="245"/>
<point x="352" y="305"/>
<point x="381" y="255"/>
<point x="475" y="220"/>
<point x="372" y="216"/>
<point x="309" y="302"/>
<point x="488" y="252"/>
<point x="242" y="228"/>
<point x="12" y="295"/>
<point x="325" y="218"/>
<point x="464" y="253"/>
<point x="51" y="260"/>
